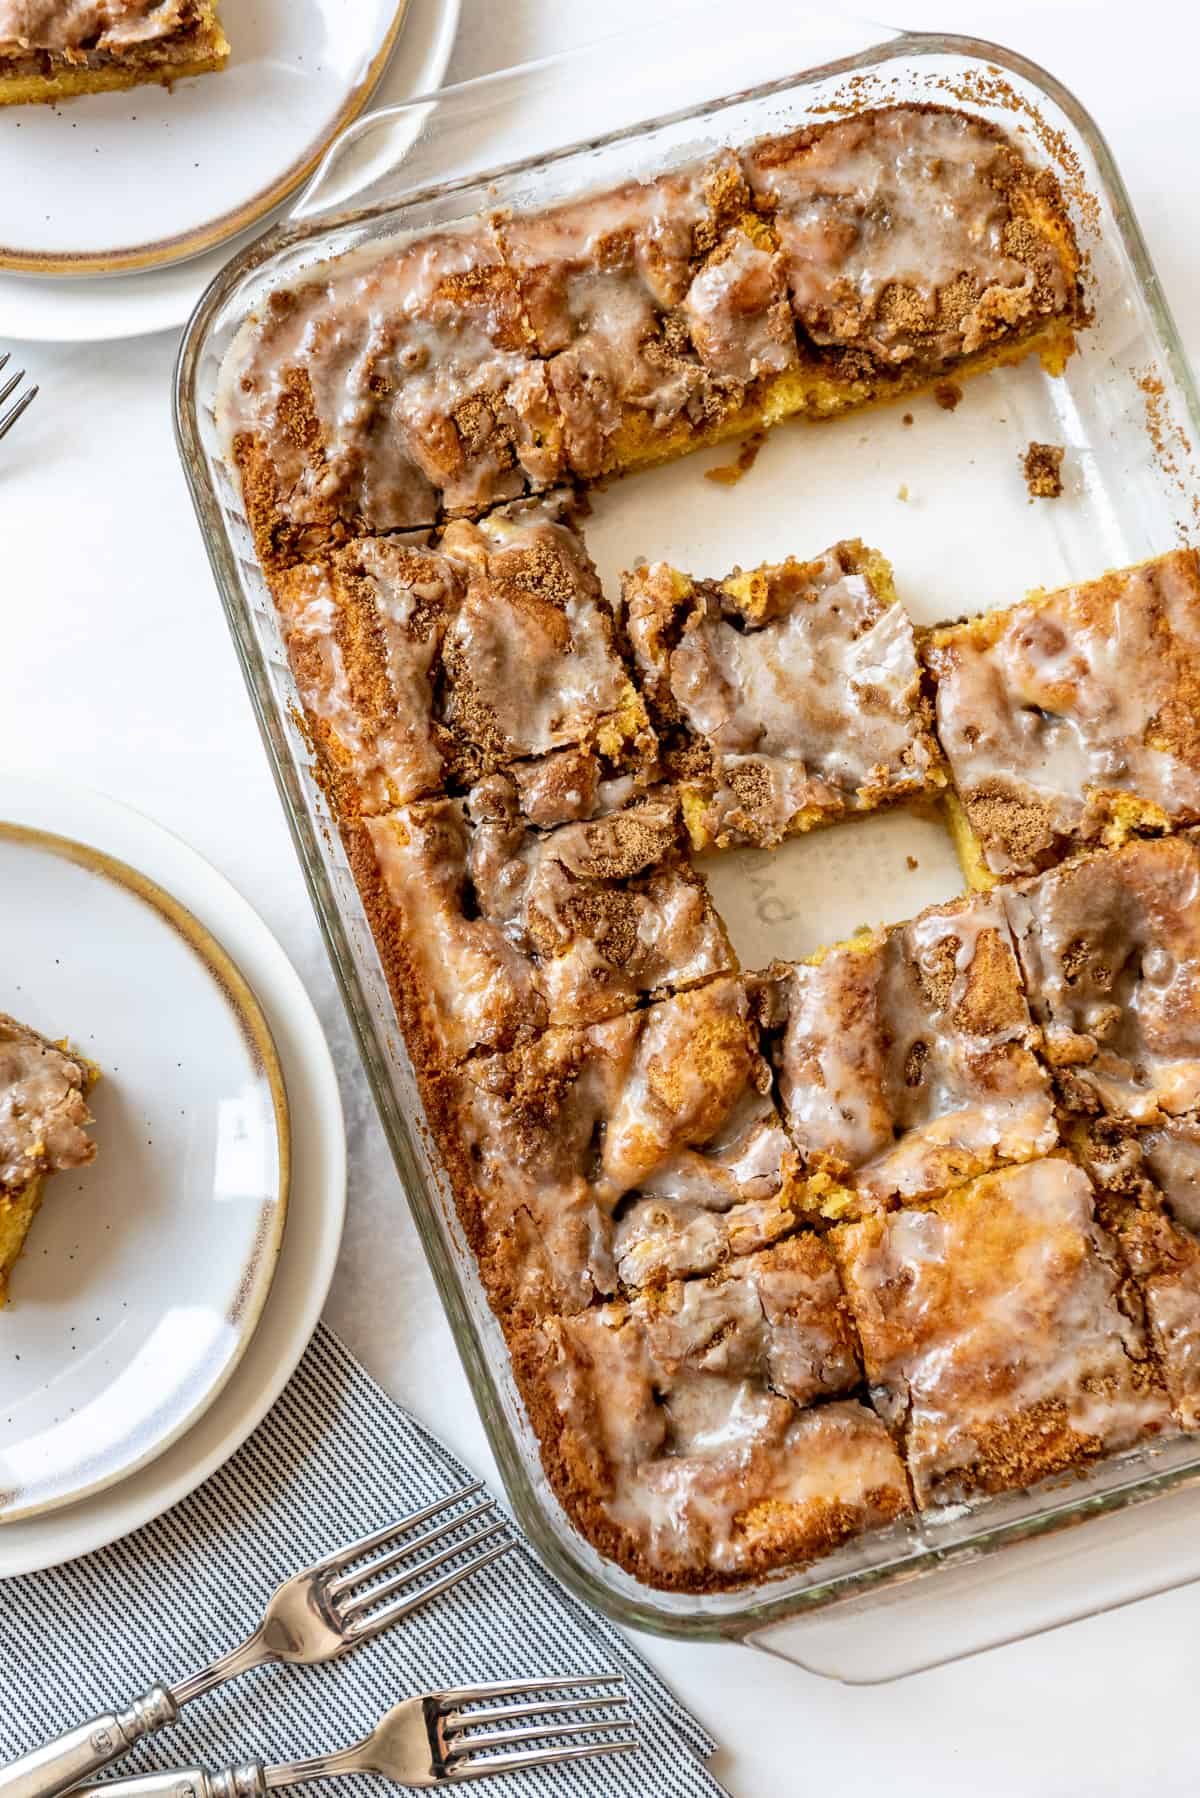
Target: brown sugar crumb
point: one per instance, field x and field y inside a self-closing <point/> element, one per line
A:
<point x="947" y="394"/>
<point x="1042" y="468"/>
<point x="730" y="473"/>
<point x="907" y="419"/>
<point x="1023" y="827"/>
<point x="912" y="861"/>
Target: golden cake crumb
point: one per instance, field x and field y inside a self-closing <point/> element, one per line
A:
<point x="1042" y="467"/>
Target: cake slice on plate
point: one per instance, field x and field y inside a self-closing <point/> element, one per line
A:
<point x="43" y="1120"/>
<point x="53" y="49"/>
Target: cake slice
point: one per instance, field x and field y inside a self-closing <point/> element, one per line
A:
<point x="1073" y="719"/>
<point x="385" y="391"/>
<point x="421" y="671"/>
<point x="713" y="1430"/>
<point x="906" y="1061"/>
<point x="661" y="309"/>
<point x="916" y="241"/>
<point x="811" y="273"/>
<point x="43" y="1118"/>
<point x="1110" y="950"/>
<point x="997" y="1334"/>
<point x="785" y="697"/>
<point x="597" y="1162"/>
<point x="492" y="930"/>
<point x="53" y="49"/>
<point x="1148" y="1183"/>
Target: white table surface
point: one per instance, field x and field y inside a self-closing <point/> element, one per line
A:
<point x="116" y="669"/>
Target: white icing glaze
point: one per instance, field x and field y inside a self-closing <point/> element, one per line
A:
<point x="1110" y="948"/>
<point x="1084" y="695"/>
<point x="90" y="25"/>
<point x="900" y="198"/>
<point x="658" y="1129"/>
<point x="1172" y="1153"/>
<point x="684" y="1392"/>
<point x="42" y="1108"/>
<point x="477" y="989"/>
<point x="812" y="682"/>
<point x="421" y="380"/>
<point x="532" y="633"/>
<point x="404" y="600"/>
<point x="992" y="1324"/>
<point x="426" y="668"/>
<point x="605" y="910"/>
<point x="906" y="1065"/>
<point x="738" y="313"/>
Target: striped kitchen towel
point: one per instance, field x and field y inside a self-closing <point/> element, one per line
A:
<point x="335" y="1458"/>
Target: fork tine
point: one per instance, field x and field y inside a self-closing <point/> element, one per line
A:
<point x="14" y="412"/>
<point x="355" y="1576"/>
<point x="11" y="416"/>
<point x="367" y="1627"/>
<point x="374" y="1595"/>
<point x="354" y="1551"/>
<point x="454" y="1696"/>
<point x="4" y="359"/>
<point x="489" y="1764"/>
<point x="515" y="1738"/>
<point x="11" y="385"/>
<point x="522" y="1688"/>
<point x="457" y="1721"/>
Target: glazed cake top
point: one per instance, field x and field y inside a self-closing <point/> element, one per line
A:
<point x="1122" y="1158"/>
<point x="992" y="1325"/>
<point x="457" y="370"/>
<point x="690" y="1410"/>
<point x="874" y="261"/>
<point x="799" y="683"/>
<point x="426" y="670"/>
<point x="905" y="1059"/>
<point x="1110" y="946"/>
<point x="42" y="1108"/>
<point x="513" y="929"/>
<point x="1045" y="729"/>
<point x="91" y="24"/>
<point x="666" y="296"/>
<point x="633" y="1150"/>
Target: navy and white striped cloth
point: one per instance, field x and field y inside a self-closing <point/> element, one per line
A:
<point x="335" y="1458"/>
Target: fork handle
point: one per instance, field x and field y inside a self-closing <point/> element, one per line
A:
<point x="64" y="1762"/>
<point x="246" y="1781"/>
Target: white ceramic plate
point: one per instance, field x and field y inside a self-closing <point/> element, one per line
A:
<point x="93" y="308"/>
<point x="154" y="1276"/>
<point x="145" y="1274"/>
<point x="130" y="180"/>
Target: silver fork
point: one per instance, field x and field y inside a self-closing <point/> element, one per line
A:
<point x="432" y="1740"/>
<point x="314" y="1616"/>
<point x="8" y="419"/>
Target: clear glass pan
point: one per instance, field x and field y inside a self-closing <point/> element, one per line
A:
<point x="941" y="495"/>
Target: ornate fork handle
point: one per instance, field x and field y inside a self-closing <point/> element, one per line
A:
<point x="246" y="1781"/>
<point x="88" y="1748"/>
<point x="249" y="1780"/>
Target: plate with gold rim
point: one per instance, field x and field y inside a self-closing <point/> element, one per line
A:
<point x="82" y="309"/>
<point x="146" y="1274"/>
<point x="111" y="183"/>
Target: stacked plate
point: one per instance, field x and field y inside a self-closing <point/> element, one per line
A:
<point x="90" y="249"/>
<point x="168" y="1290"/>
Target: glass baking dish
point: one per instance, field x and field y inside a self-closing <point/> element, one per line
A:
<point x="941" y="494"/>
